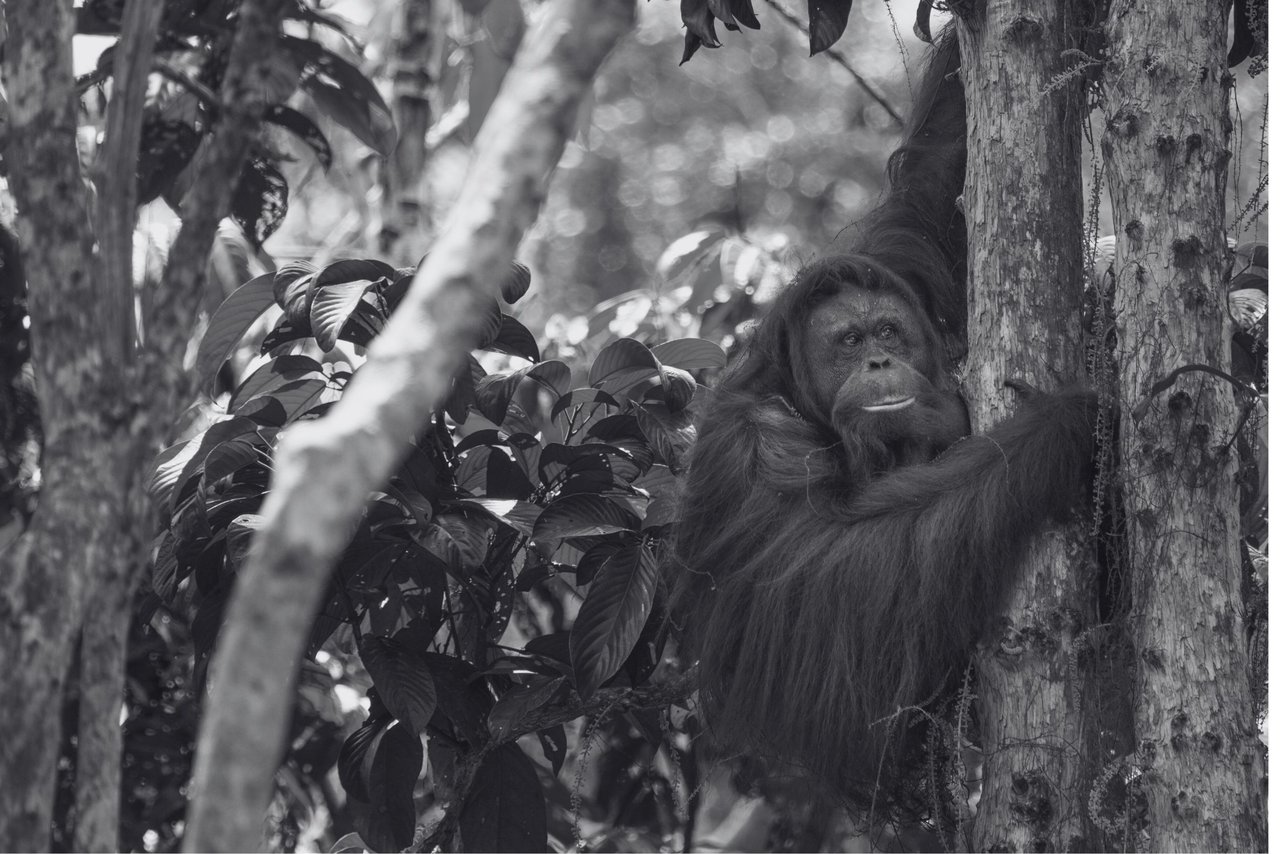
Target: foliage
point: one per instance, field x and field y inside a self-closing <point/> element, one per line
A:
<point x="192" y="52"/>
<point x="509" y="566"/>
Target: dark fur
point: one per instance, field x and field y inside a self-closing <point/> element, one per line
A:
<point x="822" y="584"/>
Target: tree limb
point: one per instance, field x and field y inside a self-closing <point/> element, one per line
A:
<point x="106" y="628"/>
<point x="325" y="469"/>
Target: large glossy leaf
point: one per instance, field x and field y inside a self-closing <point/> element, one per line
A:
<point x="505" y="809"/>
<point x="331" y="308"/>
<point x="260" y="199"/>
<point x="273" y="375"/>
<point x="520" y="701"/>
<point x="403" y="681"/>
<point x="690" y="354"/>
<point x="345" y="94"/>
<point x="176" y="465"/>
<point x="494" y="392"/>
<point x="302" y="127"/>
<point x="582" y="516"/>
<point x="612" y="616"/>
<point x="516" y="340"/>
<point x="397" y="760"/>
<point x="229" y="324"/>
<point x="670" y="435"/>
<point x="516" y="284"/>
<point x="354" y="270"/>
<point x="622" y="366"/>
<point x="827" y="20"/>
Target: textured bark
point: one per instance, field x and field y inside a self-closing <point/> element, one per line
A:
<point x="103" y="421"/>
<point x="1024" y="208"/>
<point x="415" y="57"/>
<point x="113" y="582"/>
<point x="47" y="570"/>
<point x="325" y="469"/>
<point x="1166" y="151"/>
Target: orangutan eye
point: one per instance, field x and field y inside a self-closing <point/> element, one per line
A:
<point x="887" y="332"/>
<point x="852" y="339"/>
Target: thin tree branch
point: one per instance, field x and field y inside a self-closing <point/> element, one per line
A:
<point x="325" y="469"/>
<point x="839" y="60"/>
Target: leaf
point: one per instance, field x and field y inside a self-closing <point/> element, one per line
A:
<point x="520" y="515"/>
<point x="273" y="375"/>
<point x="494" y="392"/>
<point x="354" y="270"/>
<point x="517" y="283"/>
<point x="698" y="18"/>
<point x="621" y="365"/>
<point x="331" y="308"/>
<point x="402" y="680"/>
<point x="515" y="339"/>
<point x="303" y="128"/>
<point x="583" y="397"/>
<point x="827" y="20"/>
<point x="612" y="616"/>
<point x="663" y="490"/>
<point x="923" y="8"/>
<point x="397" y="760"/>
<point x="240" y="537"/>
<point x="670" y="435"/>
<point x="690" y="354"/>
<point x="351" y="843"/>
<point x="554" y="746"/>
<point x="165" y="470"/>
<point x="512" y="707"/>
<point x="351" y="759"/>
<point x="686" y="251"/>
<point x="166" y="148"/>
<point x="228" y="325"/>
<point x="345" y="94"/>
<point x="505" y="809"/>
<point x="168" y="482"/>
<point x="582" y="516"/>
<point x="260" y="199"/>
<point x="678" y="387"/>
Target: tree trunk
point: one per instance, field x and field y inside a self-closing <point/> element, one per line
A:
<point x="415" y="58"/>
<point x="103" y="421"/>
<point x="104" y="645"/>
<point x="1023" y="203"/>
<point x="1166" y="152"/>
<point x="47" y="570"/>
<point x="325" y="469"/>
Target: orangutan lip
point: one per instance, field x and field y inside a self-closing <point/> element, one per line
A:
<point x="891" y="406"/>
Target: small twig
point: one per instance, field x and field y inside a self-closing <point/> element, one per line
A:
<point x="838" y="59"/>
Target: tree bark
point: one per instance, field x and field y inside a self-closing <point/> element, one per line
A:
<point x="106" y="628"/>
<point x="1023" y="203"/>
<point x="103" y="421"/>
<point x="46" y="571"/>
<point x="325" y="469"/>
<point x="1166" y="151"/>
<point x="415" y="58"/>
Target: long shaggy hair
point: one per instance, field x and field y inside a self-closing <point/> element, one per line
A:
<point x="825" y="593"/>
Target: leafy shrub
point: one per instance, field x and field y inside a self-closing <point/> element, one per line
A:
<point x="504" y="575"/>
